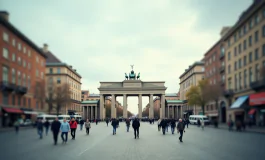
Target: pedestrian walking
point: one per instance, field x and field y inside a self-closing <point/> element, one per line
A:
<point x="88" y="126"/>
<point x="163" y="124"/>
<point x="114" y="124"/>
<point x="65" y="128"/>
<point x="128" y="123"/>
<point x="181" y="129"/>
<point x="198" y="122"/>
<point x="40" y="128"/>
<point x="16" y="125"/>
<point x="172" y="125"/>
<point x="73" y="126"/>
<point x="107" y="121"/>
<point x="230" y="124"/>
<point x="136" y="126"/>
<point x="187" y="122"/>
<point x="47" y="126"/>
<point x="158" y="125"/>
<point x="81" y="124"/>
<point x="202" y="124"/>
<point x="55" y="128"/>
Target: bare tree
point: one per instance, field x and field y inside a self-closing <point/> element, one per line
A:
<point x="62" y="96"/>
<point x="50" y="97"/>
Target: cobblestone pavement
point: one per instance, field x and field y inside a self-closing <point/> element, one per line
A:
<point x="208" y="144"/>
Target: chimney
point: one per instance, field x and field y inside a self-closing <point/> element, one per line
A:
<point x="45" y="48"/>
<point x="75" y="70"/>
<point x="71" y="66"/>
<point x="5" y="15"/>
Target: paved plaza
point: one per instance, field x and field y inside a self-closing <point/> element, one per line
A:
<point x="210" y="144"/>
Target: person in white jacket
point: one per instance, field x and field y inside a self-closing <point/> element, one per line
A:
<point x="158" y="124"/>
<point x="202" y="124"/>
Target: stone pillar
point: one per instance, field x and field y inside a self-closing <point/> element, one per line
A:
<point x="91" y="110"/>
<point x="87" y="112"/>
<point x="113" y="109"/>
<point x="139" y="106"/>
<point x="177" y="112"/>
<point x="173" y="112"/>
<point x="163" y="106"/>
<point x="101" y="106"/>
<point x="181" y="112"/>
<point x="125" y="115"/>
<point x="168" y="113"/>
<point x="96" y="112"/>
<point x="151" y="103"/>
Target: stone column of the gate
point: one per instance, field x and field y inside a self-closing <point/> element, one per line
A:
<point x="151" y="109"/>
<point x="125" y="115"/>
<point x="96" y="112"/>
<point x="139" y="106"/>
<point x="92" y="112"/>
<point x="113" y="110"/>
<point x="101" y="107"/>
<point x="163" y="106"/>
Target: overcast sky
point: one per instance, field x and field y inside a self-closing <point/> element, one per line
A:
<point x="102" y="38"/>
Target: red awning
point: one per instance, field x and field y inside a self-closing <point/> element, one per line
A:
<point x="252" y="111"/>
<point x="13" y="110"/>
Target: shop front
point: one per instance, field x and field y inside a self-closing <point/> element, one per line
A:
<point x="237" y="109"/>
<point x="10" y="115"/>
<point x="257" y="108"/>
<point x="213" y="116"/>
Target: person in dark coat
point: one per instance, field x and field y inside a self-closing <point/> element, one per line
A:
<point x="128" y="123"/>
<point x="181" y="129"/>
<point x="163" y="124"/>
<point x="136" y="126"/>
<point x="107" y="121"/>
<point x="173" y="125"/>
<point x="47" y="126"/>
<point x="114" y="124"/>
<point x="55" y="128"/>
<point x="40" y="128"/>
<point x="81" y="124"/>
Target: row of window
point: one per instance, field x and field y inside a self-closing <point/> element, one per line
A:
<point x="211" y="108"/>
<point x="17" y="77"/>
<point x="19" y="60"/>
<point x="16" y="100"/>
<point x="243" y="62"/>
<point x="246" y="77"/>
<point x="247" y="27"/>
<point x="238" y="50"/>
<point x="19" y="47"/>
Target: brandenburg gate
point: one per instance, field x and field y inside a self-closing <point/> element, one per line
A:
<point x="132" y="86"/>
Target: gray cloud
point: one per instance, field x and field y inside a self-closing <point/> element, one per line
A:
<point x="102" y="38"/>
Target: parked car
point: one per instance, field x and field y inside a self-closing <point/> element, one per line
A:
<point x="27" y="122"/>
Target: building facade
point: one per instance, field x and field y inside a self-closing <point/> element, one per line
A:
<point x="59" y="73"/>
<point x="22" y="65"/>
<point x="189" y="78"/>
<point x="245" y="58"/>
<point x="215" y="68"/>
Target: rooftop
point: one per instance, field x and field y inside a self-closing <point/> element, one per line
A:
<point x="171" y="95"/>
<point x="90" y="102"/>
<point x="15" y="31"/>
<point x="198" y="63"/>
<point x="175" y="101"/>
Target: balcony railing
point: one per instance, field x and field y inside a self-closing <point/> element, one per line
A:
<point x="258" y="85"/>
<point x="222" y="69"/>
<point x="21" y="90"/>
<point x="222" y="56"/>
<point x="228" y="93"/>
<point x="7" y="86"/>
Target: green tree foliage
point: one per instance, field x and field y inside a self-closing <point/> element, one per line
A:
<point x="199" y="95"/>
